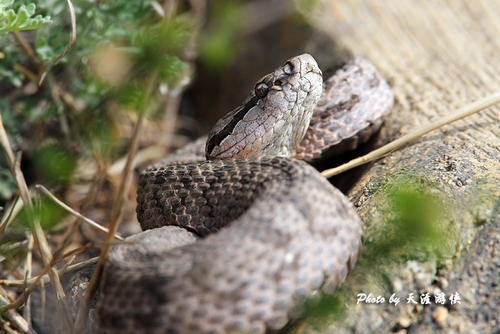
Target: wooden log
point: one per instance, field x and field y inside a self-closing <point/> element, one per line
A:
<point x="438" y="56"/>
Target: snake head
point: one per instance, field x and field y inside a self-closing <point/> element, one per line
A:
<point x="274" y="118"/>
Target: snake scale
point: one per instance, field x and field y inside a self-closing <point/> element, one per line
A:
<point x="238" y="228"/>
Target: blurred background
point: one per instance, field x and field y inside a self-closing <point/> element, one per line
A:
<point x="179" y="64"/>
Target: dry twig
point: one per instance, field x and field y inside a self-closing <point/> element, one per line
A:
<point x="25" y="46"/>
<point x="15" y="318"/>
<point x="34" y="282"/>
<point x="72" y="38"/>
<point x="44" y="278"/>
<point x="14" y="208"/>
<point x="27" y="276"/>
<point x="87" y="203"/>
<point x="468" y="110"/>
<point x="74" y="212"/>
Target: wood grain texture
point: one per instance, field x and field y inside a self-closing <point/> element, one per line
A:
<point x="437" y="56"/>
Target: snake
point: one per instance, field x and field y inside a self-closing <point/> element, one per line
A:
<point x="238" y="228"/>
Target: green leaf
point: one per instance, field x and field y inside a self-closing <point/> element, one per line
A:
<point x="22" y="20"/>
<point x="134" y="95"/>
<point x="48" y="213"/>
<point x="171" y="68"/>
<point x="54" y="162"/>
<point x="5" y="3"/>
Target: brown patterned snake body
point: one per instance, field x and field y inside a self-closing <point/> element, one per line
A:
<point x="236" y="242"/>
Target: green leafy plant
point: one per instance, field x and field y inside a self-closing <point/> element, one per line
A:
<point x="415" y="224"/>
<point x="23" y="19"/>
<point x="152" y="49"/>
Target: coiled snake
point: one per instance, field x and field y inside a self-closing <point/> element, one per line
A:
<point x="236" y="241"/>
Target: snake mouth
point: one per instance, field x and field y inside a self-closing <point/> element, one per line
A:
<point x="315" y="71"/>
<point x="310" y="68"/>
<point x="308" y="64"/>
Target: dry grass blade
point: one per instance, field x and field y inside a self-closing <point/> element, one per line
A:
<point x="11" y="213"/>
<point x="78" y="250"/>
<point x="16" y="319"/>
<point x="87" y="203"/>
<point x="34" y="282"/>
<point x="44" y="278"/>
<point x="22" y="298"/>
<point x="25" y="46"/>
<point x="113" y="226"/>
<point x="143" y="155"/>
<point x="158" y="8"/>
<point x="20" y="182"/>
<point x="76" y="213"/>
<point x="38" y="234"/>
<point x="80" y="265"/>
<point x="126" y="172"/>
<point x="27" y="276"/>
<point x="72" y="38"/>
<point x="468" y="110"/>
<point x="30" y="75"/>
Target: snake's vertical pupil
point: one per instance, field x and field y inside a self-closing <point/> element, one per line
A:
<point x="261" y="89"/>
<point x="288" y="68"/>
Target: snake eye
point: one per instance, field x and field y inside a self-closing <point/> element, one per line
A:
<point x="261" y="89"/>
<point x="288" y="68"/>
<point x="278" y="83"/>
